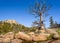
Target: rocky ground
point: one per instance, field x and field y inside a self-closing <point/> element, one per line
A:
<point x="50" y="36"/>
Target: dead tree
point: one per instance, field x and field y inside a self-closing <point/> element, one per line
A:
<point x="39" y="10"/>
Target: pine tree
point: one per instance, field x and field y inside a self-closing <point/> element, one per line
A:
<point x="51" y="22"/>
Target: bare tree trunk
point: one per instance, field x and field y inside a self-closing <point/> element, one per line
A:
<point x="41" y="22"/>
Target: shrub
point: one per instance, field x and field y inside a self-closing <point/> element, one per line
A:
<point x="58" y="30"/>
<point x="50" y="37"/>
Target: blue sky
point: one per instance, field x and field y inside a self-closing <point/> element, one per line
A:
<point x="18" y="10"/>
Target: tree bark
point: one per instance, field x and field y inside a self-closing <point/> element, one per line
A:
<point x="41" y="22"/>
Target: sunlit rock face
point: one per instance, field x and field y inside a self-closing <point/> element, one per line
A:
<point x="22" y="35"/>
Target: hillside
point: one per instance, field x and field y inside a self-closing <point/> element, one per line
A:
<point x="11" y="25"/>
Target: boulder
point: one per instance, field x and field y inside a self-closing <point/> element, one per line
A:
<point x="9" y="35"/>
<point x="16" y="41"/>
<point x="56" y="36"/>
<point x="56" y="41"/>
<point x="48" y="41"/>
<point x="1" y="40"/>
<point x="54" y="32"/>
<point x="22" y="35"/>
<point x="51" y="31"/>
<point x="40" y="37"/>
<point x="31" y="33"/>
<point x="6" y="40"/>
<point x="42" y="31"/>
<point x="1" y="36"/>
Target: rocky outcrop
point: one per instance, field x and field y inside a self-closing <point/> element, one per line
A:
<point x="22" y="37"/>
<point x="10" y="21"/>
